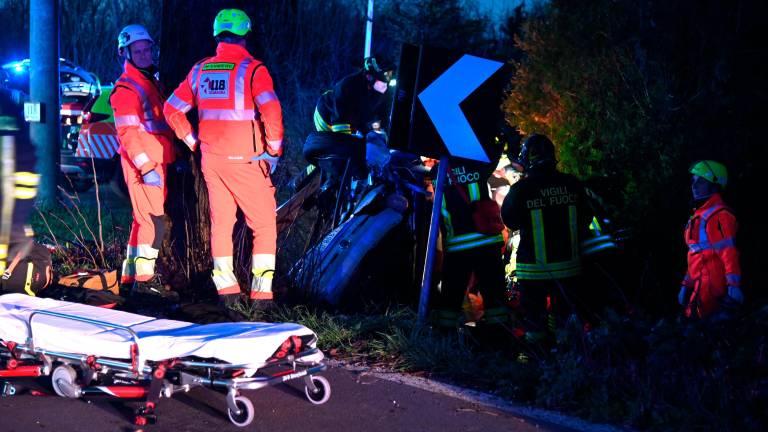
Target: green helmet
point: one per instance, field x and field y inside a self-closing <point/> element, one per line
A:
<point x="711" y="171"/>
<point x="233" y="21"/>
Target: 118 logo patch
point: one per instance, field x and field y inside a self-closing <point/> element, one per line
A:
<point x="214" y="85"/>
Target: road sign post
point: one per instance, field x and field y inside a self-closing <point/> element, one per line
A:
<point x="447" y="104"/>
<point x="434" y="230"/>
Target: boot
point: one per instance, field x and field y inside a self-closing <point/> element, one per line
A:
<point x="231" y="307"/>
<point x="153" y="288"/>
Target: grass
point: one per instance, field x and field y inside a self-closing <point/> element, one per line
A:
<point x="664" y="375"/>
<point x="83" y="234"/>
<point x="395" y="340"/>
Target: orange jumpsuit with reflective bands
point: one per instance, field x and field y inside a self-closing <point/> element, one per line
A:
<point x="713" y="260"/>
<point x="146" y="144"/>
<point x="240" y="117"/>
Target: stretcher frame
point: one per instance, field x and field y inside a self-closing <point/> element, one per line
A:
<point x="149" y="381"/>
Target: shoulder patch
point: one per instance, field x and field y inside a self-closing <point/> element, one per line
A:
<point x="218" y="66"/>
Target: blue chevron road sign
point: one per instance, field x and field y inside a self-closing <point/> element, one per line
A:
<point x="442" y="98"/>
<point x="447" y="104"/>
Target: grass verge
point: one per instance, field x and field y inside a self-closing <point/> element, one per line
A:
<point x="649" y="375"/>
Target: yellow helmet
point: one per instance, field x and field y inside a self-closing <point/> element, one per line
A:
<point x="234" y="21"/>
<point x="711" y="171"/>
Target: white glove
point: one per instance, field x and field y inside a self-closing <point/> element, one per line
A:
<point x="683" y="296"/>
<point x="271" y="160"/>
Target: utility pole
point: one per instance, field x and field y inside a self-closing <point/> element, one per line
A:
<point x="368" y="29"/>
<point x="44" y="90"/>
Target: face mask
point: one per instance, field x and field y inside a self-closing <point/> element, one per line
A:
<point x="380" y="86"/>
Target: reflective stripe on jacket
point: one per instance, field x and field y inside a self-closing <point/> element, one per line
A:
<point x="713" y="260"/>
<point x="137" y="102"/>
<point x="460" y="231"/>
<point x="239" y="112"/>
<point x="349" y="106"/>
<point x="550" y="210"/>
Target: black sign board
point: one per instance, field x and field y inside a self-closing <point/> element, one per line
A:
<point x="447" y="103"/>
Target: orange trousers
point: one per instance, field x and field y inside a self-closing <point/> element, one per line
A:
<point x="148" y="227"/>
<point x="248" y="186"/>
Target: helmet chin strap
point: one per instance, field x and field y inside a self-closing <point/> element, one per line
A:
<point x="125" y="52"/>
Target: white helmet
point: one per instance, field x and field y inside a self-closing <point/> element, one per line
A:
<point x="132" y="33"/>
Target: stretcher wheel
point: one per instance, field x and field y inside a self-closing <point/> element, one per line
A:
<point x="323" y="392"/>
<point x="63" y="381"/>
<point x="246" y="412"/>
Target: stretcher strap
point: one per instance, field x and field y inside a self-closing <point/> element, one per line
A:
<point x="28" y="279"/>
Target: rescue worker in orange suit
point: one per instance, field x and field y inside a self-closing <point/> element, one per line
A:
<point x="713" y="280"/>
<point x="146" y="149"/>
<point x="240" y="136"/>
<point x="551" y="212"/>
<point x="472" y="244"/>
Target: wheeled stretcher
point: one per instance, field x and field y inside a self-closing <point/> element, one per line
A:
<point x="91" y="352"/>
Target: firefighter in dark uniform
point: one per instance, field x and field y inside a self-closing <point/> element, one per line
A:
<point x="551" y="211"/>
<point x="18" y="179"/>
<point x="344" y="119"/>
<point x="472" y="246"/>
<point x="355" y="101"/>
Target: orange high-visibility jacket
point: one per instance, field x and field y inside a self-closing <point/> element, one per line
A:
<point x="137" y="102"/>
<point x="713" y="260"/>
<point x="240" y="115"/>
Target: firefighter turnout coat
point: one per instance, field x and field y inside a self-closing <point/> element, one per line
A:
<point x="550" y="210"/>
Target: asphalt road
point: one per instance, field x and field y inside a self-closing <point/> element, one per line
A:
<point x="358" y="402"/>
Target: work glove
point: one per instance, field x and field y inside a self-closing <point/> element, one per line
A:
<point x="192" y="142"/>
<point x="735" y="293"/>
<point x="271" y="160"/>
<point x="684" y="295"/>
<point x="152" y="178"/>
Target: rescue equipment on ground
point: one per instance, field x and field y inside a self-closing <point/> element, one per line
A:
<point x="91" y="352"/>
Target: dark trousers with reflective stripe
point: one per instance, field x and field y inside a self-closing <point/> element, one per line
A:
<point x="565" y="297"/>
<point x="486" y="263"/>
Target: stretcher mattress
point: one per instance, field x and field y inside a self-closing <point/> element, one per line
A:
<point x="242" y="343"/>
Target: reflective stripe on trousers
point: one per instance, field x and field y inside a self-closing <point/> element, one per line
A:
<point x="128" y="274"/>
<point x="146" y="256"/>
<point x="223" y="276"/>
<point x="263" y="269"/>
